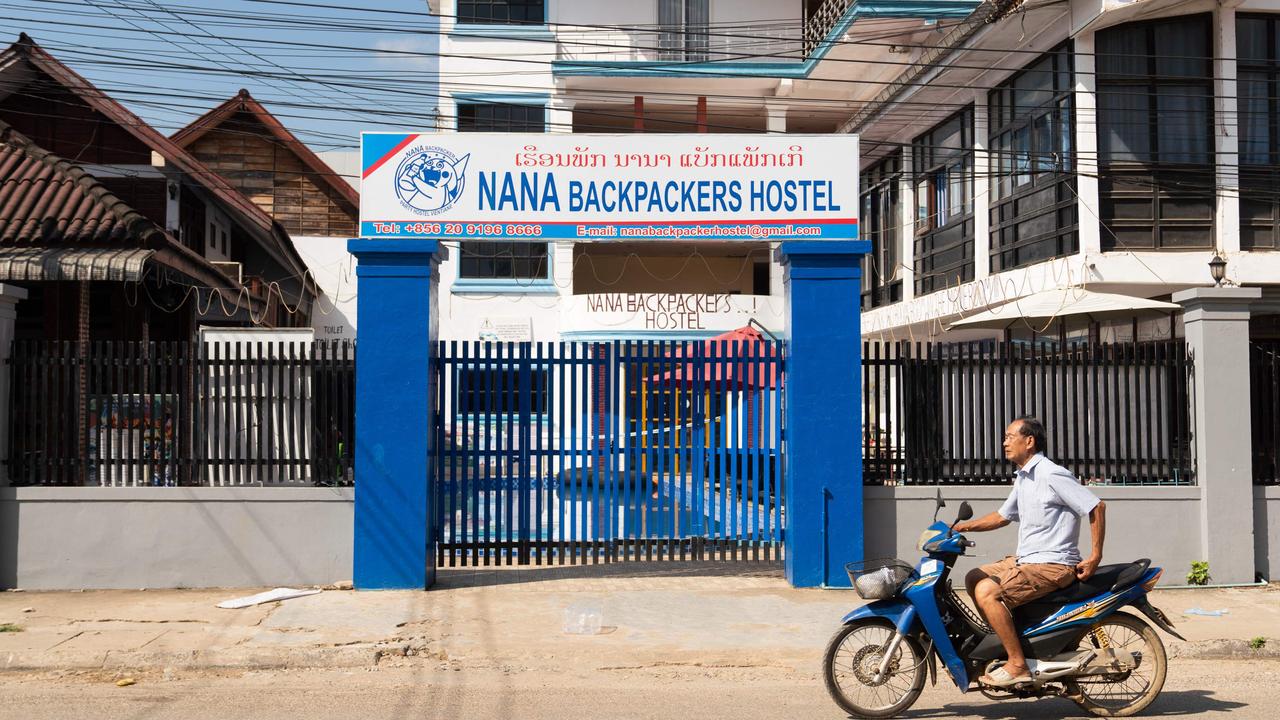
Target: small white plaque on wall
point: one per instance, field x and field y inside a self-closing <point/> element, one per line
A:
<point x="506" y="329"/>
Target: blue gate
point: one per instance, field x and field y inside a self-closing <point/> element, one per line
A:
<point x="557" y="453"/>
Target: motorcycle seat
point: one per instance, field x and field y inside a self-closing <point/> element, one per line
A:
<point x="1107" y="578"/>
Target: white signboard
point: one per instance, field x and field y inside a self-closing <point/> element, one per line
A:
<point x="609" y="187"/>
<point x="665" y="311"/>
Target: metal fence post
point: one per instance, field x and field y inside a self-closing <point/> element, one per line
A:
<point x="10" y="296"/>
<point x="1217" y="332"/>
<point x="823" y="410"/>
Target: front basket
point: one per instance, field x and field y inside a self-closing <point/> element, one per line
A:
<point x="878" y="579"/>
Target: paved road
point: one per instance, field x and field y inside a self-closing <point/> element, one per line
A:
<point x="428" y="690"/>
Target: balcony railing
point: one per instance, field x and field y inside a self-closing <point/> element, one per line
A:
<point x="655" y="43"/>
<point x="819" y="24"/>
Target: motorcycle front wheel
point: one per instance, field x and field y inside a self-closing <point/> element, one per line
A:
<point x="853" y="659"/>
<point x="1131" y="692"/>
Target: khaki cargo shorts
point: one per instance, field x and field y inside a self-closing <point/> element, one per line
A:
<point x="1020" y="584"/>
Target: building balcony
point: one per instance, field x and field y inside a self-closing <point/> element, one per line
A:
<point x="656" y="44"/>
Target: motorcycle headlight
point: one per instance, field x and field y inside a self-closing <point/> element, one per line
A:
<point x="925" y="537"/>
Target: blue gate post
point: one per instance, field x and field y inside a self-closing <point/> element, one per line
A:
<point x="396" y="329"/>
<point x="823" y="410"/>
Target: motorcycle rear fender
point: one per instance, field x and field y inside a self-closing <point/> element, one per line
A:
<point x="1156" y="616"/>
<point x="896" y="610"/>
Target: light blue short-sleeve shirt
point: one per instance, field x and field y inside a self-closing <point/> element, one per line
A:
<point x="1047" y="502"/>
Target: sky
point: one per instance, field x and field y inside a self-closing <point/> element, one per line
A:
<point x="326" y="72"/>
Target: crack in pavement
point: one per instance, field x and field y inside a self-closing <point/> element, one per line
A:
<point x="64" y="640"/>
<point x="157" y="637"/>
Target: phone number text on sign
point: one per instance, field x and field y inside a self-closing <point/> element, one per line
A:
<point x="458" y="229"/>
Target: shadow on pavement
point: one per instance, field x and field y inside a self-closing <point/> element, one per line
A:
<point x="1170" y="703"/>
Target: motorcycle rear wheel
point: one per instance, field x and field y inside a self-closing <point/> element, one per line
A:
<point x="852" y="658"/>
<point x="1141" y="686"/>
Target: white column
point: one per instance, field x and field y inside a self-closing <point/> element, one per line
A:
<point x="1226" y="134"/>
<point x="560" y="116"/>
<point x="776" y="122"/>
<point x="981" y="189"/>
<point x="1217" y="332"/>
<point x="907" y="226"/>
<point x="775" y="117"/>
<point x="1086" y="142"/>
<point x="560" y="122"/>
<point x="10" y="296"/>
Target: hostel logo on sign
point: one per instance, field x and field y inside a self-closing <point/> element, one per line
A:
<point x="430" y="179"/>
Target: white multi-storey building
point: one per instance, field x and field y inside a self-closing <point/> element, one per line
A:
<point x="1007" y="148"/>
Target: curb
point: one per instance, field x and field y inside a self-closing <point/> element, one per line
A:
<point x="346" y="656"/>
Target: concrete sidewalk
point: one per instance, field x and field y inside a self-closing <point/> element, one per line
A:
<point x="513" y="620"/>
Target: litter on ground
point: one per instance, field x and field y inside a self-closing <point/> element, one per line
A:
<point x="1205" y="613"/>
<point x="265" y="597"/>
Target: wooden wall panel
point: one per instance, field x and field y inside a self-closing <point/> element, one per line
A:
<point x="273" y="177"/>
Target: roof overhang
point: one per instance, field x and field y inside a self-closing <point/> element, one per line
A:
<point x="27" y="264"/>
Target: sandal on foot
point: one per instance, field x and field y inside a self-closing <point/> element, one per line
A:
<point x="1002" y="679"/>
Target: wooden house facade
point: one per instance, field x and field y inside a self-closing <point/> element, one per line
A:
<point x="255" y="153"/>
<point x="117" y="232"/>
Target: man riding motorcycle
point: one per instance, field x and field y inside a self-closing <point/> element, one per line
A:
<point x="1047" y="501"/>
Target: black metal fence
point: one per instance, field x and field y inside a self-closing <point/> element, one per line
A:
<point x="182" y="413"/>
<point x="1264" y="365"/>
<point x="1117" y="414"/>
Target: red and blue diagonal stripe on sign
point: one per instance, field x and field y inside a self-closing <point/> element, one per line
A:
<point x="377" y="149"/>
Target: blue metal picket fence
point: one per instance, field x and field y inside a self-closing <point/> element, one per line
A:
<point x="556" y="453"/>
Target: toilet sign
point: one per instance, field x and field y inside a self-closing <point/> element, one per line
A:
<point x="601" y="188"/>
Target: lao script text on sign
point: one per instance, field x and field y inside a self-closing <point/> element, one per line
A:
<point x="597" y="188"/>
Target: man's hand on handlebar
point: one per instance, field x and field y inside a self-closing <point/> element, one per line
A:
<point x="990" y="521"/>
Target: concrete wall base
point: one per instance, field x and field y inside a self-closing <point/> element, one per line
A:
<point x="130" y="538"/>
<point x="1161" y="523"/>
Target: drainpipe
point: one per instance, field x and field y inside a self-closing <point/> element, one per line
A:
<point x="986" y="14"/>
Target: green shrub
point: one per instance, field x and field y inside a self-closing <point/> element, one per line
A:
<point x="1257" y="643"/>
<point x="1199" y="574"/>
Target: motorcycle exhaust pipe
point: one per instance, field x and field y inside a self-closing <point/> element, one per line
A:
<point x="1058" y="666"/>
<point x="1083" y="663"/>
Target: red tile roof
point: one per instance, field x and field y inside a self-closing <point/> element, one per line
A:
<point x="272" y="236"/>
<point x="47" y="200"/>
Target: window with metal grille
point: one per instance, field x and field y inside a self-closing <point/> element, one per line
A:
<point x="502" y="12"/>
<point x="943" y="160"/>
<point x="1155" y="134"/>
<point x="684" y="29"/>
<point x="1033" y="213"/>
<point x="486" y="260"/>
<point x="1258" y="95"/>
<point x="880" y="221"/>
<point x="498" y="260"/>
<point x="498" y="391"/>
<point x="501" y="117"/>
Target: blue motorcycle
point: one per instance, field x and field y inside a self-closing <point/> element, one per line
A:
<point x="1078" y="644"/>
